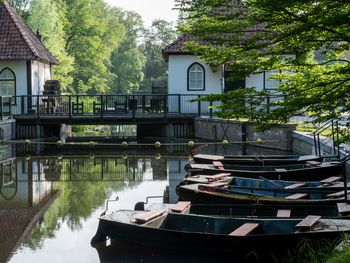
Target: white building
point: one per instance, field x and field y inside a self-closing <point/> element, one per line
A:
<point x="25" y="63"/>
<point x="187" y="74"/>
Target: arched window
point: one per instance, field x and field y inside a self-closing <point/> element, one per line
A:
<point x="196" y="77"/>
<point x="7" y="82"/>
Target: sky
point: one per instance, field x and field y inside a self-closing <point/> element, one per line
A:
<point x="149" y="9"/>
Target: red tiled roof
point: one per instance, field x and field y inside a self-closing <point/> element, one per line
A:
<point x="17" y="40"/>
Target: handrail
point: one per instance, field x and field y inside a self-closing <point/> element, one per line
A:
<point x="334" y="126"/>
<point x="140" y="206"/>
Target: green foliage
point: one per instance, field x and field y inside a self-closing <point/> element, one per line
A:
<point x="158" y="36"/>
<point x="313" y="252"/>
<point x="340" y="256"/>
<point x="101" y="49"/>
<point x="91" y="41"/>
<point x="45" y="18"/>
<point x="258" y="34"/>
<point x="127" y="61"/>
<point x="22" y="6"/>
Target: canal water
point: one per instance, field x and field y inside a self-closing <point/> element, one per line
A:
<point x="50" y="202"/>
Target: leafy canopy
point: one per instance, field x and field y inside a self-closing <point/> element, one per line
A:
<point x="309" y="39"/>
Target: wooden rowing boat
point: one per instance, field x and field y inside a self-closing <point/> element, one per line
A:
<point x="214" y="193"/>
<point x="330" y="184"/>
<point x="239" y="237"/>
<point x="256" y="159"/>
<point x="301" y="172"/>
<point x="338" y="210"/>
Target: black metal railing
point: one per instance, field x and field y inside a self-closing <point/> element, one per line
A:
<point x="331" y="138"/>
<point x="104" y="105"/>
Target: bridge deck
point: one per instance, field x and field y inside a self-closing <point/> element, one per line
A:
<point x="96" y="109"/>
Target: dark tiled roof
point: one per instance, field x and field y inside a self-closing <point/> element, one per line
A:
<point x="177" y="47"/>
<point x="17" y="40"/>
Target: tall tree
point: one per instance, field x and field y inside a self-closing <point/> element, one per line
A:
<point x="257" y="35"/>
<point x="127" y="60"/>
<point x="91" y="38"/>
<point x="159" y="35"/>
<point x="47" y="18"/>
<point x="22" y="7"/>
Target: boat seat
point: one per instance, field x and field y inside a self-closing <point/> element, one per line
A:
<point x="308" y="222"/>
<point x="343" y="208"/>
<point x="283" y="213"/>
<point x="244" y="229"/>
<point x="313" y="163"/>
<point x="217" y="176"/>
<point x="211" y="186"/>
<point x="218" y="165"/>
<point x="181" y="207"/>
<point x="198" y="149"/>
<point x="296" y="196"/>
<point x="292" y="186"/>
<point x="280" y="170"/>
<point x="336" y="195"/>
<point x="145" y="217"/>
<point x="330" y="180"/>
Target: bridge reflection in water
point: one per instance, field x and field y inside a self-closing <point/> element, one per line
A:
<point x="85" y="169"/>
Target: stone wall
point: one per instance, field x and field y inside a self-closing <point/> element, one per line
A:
<point x="243" y="131"/>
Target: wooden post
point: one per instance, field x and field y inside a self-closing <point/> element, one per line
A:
<point x="2" y="112"/>
<point x="70" y="106"/>
<point x="133" y="106"/>
<point x="211" y="110"/>
<point x="199" y="106"/>
<point x="101" y="99"/>
<point x="345" y="181"/>
<point x="22" y="104"/>
<point x="37" y="106"/>
<point x="165" y="107"/>
<point x="10" y="107"/>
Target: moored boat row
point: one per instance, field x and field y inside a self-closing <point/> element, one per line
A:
<point x="242" y="211"/>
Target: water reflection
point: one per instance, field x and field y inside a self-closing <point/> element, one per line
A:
<point x="76" y="189"/>
<point x="49" y="206"/>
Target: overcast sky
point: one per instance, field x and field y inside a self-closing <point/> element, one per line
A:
<point x="149" y="9"/>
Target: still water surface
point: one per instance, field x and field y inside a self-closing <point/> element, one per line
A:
<point x="49" y="206"/>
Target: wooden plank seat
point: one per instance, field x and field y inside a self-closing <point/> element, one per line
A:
<point x="211" y="186"/>
<point x="145" y="217"/>
<point x="331" y="180"/>
<point x="308" y="222"/>
<point x="218" y="165"/>
<point x="244" y="229"/>
<point x="217" y="177"/>
<point x="198" y="149"/>
<point x="343" y="208"/>
<point x="280" y="170"/>
<point x="283" y="213"/>
<point x="296" y="196"/>
<point x="181" y="207"/>
<point x="336" y="195"/>
<point x="313" y="163"/>
<point x="293" y="186"/>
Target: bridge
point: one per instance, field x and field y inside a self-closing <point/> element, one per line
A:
<point x="103" y="109"/>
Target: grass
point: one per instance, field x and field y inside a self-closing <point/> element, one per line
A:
<point x="321" y="252"/>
